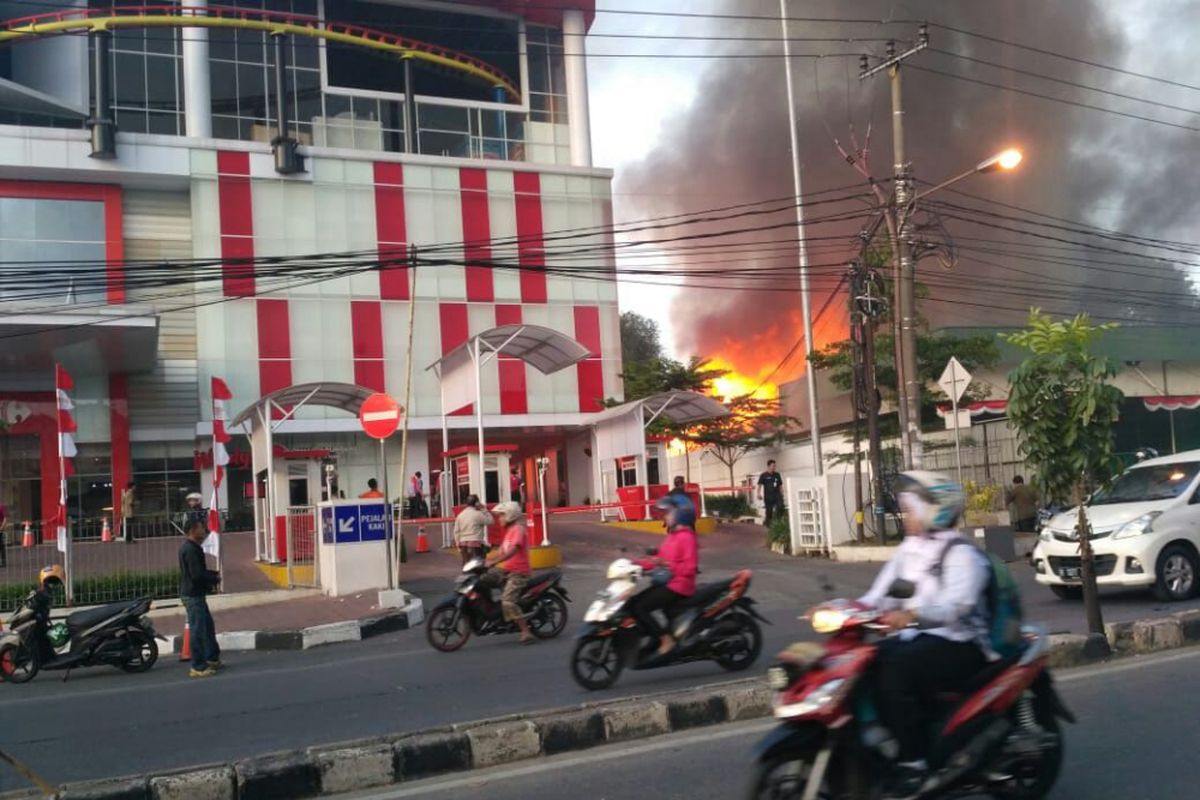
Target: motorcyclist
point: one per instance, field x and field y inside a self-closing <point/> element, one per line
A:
<point x="680" y="556"/>
<point x="509" y="566"/>
<point x="941" y="638"/>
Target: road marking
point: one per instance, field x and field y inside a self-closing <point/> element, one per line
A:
<point x="608" y="753"/>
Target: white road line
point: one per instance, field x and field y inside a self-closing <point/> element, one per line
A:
<point x="482" y="778"/>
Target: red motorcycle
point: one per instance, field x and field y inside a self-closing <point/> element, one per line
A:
<point x="1000" y="738"/>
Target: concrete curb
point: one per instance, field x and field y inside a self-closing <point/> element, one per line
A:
<point x="353" y="630"/>
<point x="386" y="760"/>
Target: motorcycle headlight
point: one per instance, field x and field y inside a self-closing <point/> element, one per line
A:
<point x="828" y="620"/>
<point x="814" y="701"/>
<point x="1136" y="527"/>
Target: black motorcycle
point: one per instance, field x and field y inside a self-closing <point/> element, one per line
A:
<point x="116" y="635"/>
<point x="717" y="623"/>
<point x="475" y="609"/>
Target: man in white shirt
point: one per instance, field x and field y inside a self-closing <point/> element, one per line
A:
<point x="942" y="637"/>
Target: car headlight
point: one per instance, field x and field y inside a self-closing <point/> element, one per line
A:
<point x="828" y="620"/>
<point x="1136" y="527"/>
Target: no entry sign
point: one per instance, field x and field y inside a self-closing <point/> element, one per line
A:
<point x="380" y="416"/>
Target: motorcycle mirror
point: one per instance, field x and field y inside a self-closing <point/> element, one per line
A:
<point x="902" y="589"/>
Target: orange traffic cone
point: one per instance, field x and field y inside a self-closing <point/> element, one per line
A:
<point x="106" y="532"/>
<point x="27" y="536"/>
<point x="185" y="652"/>
<point x="422" y="541"/>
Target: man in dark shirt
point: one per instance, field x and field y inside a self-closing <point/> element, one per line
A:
<point x="196" y="581"/>
<point x="770" y="491"/>
<point x="680" y="487"/>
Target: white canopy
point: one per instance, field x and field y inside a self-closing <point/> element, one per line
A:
<point x="545" y="349"/>
<point x="680" y="407"/>
<point x="345" y="396"/>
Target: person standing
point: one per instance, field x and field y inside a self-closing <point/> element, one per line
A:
<point x="470" y="529"/>
<point x="416" y="491"/>
<point x="514" y="485"/>
<point x="372" y="492"/>
<point x="128" y="501"/>
<point x="1022" y="500"/>
<point x="770" y="491"/>
<point x="3" y="531"/>
<point x="679" y="487"/>
<point x="196" y="582"/>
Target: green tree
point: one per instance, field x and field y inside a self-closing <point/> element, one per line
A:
<point x="752" y="424"/>
<point x="640" y="339"/>
<point x="643" y="379"/>
<point x="1064" y="407"/>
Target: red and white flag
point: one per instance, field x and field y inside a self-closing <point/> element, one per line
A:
<point x="220" y="395"/>
<point x="66" y="448"/>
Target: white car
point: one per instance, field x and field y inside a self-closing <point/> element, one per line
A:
<point x="1145" y="533"/>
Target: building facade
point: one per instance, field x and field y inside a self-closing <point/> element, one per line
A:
<point x="159" y="227"/>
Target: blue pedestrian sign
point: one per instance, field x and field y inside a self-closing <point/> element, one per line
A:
<point x="355" y="522"/>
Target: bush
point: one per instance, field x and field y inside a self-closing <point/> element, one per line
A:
<point x="727" y="506"/>
<point x="100" y="589"/>
<point x="780" y="531"/>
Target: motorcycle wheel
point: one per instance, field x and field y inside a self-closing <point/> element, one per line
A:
<point x="18" y="663"/>
<point x="446" y="630"/>
<point x="145" y="652"/>
<point x="1037" y="782"/>
<point x="752" y="644"/>
<point x="551" y="617"/>
<point x="596" y="662"/>
<point x="785" y="777"/>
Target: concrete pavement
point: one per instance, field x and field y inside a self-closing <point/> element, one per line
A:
<point x="1147" y="756"/>
<point x="115" y="724"/>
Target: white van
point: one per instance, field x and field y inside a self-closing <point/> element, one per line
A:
<point x="1145" y="533"/>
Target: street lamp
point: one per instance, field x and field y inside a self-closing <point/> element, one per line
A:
<point x="910" y="384"/>
<point x="1004" y="161"/>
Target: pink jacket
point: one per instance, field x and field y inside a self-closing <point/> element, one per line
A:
<point x="681" y="554"/>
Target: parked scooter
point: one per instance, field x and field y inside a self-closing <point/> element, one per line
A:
<point x="1000" y="738"/>
<point x="116" y="635"/>
<point x="475" y="609"/>
<point x="717" y="623"/>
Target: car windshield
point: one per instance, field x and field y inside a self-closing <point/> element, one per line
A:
<point x="1146" y="484"/>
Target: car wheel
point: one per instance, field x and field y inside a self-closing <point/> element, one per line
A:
<point x="1067" y="592"/>
<point x="1177" y="571"/>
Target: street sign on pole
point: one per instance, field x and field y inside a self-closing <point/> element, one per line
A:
<point x="380" y="416"/>
<point x="954" y="382"/>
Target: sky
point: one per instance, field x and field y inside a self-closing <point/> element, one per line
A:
<point x="687" y="134"/>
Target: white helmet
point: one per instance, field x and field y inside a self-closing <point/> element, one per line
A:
<point x="936" y="499"/>
<point x="508" y="512"/>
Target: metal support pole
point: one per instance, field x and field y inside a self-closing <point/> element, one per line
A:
<point x="856" y="406"/>
<point x="197" y="83"/>
<point x="104" y="130"/>
<point x="957" y="436"/>
<point x="477" y="358"/>
<point x="387" y="504"/>
<point x="1170" y="411"/>
<point x="805" y="292"/>
<point x="287" y="159"/>
<point x="541" y="465"/>
<point x="874" y="439"/>
<point x="404" y="411"/>
<point x="410" y="109"/>
<point x="910" y="390"/>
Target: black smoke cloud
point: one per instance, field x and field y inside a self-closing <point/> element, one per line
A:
<point x="731" y="146"/>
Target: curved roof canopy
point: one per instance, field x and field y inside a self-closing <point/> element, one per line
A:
<point x="346" y="396"/>
<point x="680" y="407"/>
<point x="543" y="348"/>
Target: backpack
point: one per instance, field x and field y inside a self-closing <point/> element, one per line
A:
<point x="1002" y="598"/>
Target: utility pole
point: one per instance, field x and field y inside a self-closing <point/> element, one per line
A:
<point x="805" y="299"/>
<point x="865" y="307"/>
<point x="904" y="272"/>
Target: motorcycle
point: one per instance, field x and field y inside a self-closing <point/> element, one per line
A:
<point x="116" y="635"/>
<point x="473" y="609"/>
<point x="999" y="738"/>
<point x="717" y="623"/>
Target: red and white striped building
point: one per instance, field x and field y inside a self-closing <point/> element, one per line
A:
<point x="188" y="172"/>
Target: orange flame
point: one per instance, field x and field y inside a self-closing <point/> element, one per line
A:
<point x="738" y="384"/>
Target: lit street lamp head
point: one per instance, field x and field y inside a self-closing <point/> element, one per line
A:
<point x="1005" y="160"/>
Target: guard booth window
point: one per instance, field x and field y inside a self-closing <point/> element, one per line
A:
<point x="491" y="480"/>
<point x="626" y="472"/>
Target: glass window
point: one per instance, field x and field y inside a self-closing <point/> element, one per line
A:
<point x="66" y="235"/>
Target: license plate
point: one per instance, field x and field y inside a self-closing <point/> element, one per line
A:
<point x="1069" y="573"/>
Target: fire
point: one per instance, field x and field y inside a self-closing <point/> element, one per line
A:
<point x="738" y="384"/>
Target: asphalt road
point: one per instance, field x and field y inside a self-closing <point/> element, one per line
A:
<point x="103" y="723"/>
<point x="1134" y="741"/>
